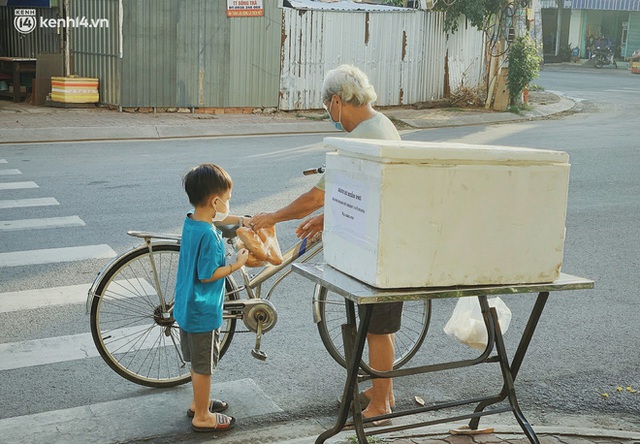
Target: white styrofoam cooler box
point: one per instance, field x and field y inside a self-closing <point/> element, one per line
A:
<point x="422" y="214"/>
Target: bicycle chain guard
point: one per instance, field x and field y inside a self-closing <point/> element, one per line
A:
<point x="259" y="310"/>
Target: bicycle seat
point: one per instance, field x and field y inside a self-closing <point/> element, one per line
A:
<point x="228" y="231"/>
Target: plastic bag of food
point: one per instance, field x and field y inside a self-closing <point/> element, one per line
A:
<point x="262" y="245"/>
<point x="466" y="324"/>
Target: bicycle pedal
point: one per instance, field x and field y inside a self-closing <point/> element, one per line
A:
<point x="259" y="354"/>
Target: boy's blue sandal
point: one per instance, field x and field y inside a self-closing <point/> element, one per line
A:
<point x="215" y="406"/>
<point x="224" y="423"/>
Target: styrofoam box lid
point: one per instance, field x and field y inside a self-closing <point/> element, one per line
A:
<point x="392" y="151"/>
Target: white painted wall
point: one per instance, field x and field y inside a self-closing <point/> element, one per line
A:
<point x="575" y="30"/>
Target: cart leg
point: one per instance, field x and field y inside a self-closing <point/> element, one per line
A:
<point x="489" y="323"/>
<point x="532" y="323"/>
<point x="508" y="381"/>
<point x="353" y="346"/>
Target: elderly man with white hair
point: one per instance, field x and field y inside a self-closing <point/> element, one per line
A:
<point x="347" y="96"/>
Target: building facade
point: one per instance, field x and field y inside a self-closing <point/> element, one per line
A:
<point x="568" y="24"/>
<point x="195" y="54"/>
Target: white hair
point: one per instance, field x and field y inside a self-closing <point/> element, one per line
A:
<point x="350" y="84"/>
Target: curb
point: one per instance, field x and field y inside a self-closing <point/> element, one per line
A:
<point x="187" y="129"/>
<point x="153" y="132"/>
<point x="501" y="432"/>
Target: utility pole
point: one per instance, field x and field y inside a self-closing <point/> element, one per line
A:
<point x="67" y="39"/>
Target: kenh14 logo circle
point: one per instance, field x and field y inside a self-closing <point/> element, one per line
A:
<point x="24" y="20"/>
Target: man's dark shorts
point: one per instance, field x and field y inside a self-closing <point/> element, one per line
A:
<point x="385" y="318"/>
<point x="202" y="350"/>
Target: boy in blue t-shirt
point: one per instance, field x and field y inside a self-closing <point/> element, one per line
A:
<point x="200" y="288"/>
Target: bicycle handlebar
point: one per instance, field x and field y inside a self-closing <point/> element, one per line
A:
<point x="311" y="171"/>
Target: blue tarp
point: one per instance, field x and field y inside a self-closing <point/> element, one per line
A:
<point x="606" y="5"/>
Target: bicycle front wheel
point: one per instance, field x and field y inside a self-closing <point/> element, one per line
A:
<point x="416" y="316"/>
<point x="132" y="320"/>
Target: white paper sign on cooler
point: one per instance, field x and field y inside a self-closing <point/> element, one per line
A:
<point x="349" y="200"/>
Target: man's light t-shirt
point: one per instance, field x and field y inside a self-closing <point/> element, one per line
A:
<point x="377" y="127"/>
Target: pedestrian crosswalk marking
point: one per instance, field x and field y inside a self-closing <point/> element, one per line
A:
<point x="42" y="223"/>
<point x="54" y="255"/>
<point x="128" y="419"/>
<point x="45" y="297"/>
<point x="18" y="185"/>
<point x="70" y="294"/>
<point x="12" y="172"/>
<point x="46" y="351"/>
<point x="72" y="347"/>
<point x="24" y="203"/>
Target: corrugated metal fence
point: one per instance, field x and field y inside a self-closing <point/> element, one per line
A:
<point x="40" y="40"/>
<point x="95" y="49"/>
<point x="466" y="49"/>
<point x="403" y="53"/>
<point x="187" y="53"/>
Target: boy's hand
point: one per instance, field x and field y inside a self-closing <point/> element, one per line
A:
<point x="242" y="256"/>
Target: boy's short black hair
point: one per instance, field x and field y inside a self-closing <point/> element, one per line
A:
<point x="204" y="181"/>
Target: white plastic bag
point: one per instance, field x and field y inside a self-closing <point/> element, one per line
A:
<point x="466" y="324"/>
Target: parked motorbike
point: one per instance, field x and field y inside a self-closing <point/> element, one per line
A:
<point x="604" y="56"/>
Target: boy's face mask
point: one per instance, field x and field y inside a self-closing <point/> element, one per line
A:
<point x="220" y="216"/>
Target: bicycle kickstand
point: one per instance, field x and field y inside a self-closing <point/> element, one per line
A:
<point x="256" y="352"/>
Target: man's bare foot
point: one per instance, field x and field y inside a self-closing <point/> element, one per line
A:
<point x="369" y="394"/>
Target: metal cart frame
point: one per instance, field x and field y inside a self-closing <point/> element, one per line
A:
<point x="354" y="337"/>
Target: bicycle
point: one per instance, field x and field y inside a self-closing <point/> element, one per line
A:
<point x="131" y="301"/>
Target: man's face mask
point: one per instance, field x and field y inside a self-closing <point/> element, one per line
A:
<point x="337" y="124"/>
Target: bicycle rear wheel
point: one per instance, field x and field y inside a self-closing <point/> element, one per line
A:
<point x="416" y="316"/>
<point x="134" y="335"/>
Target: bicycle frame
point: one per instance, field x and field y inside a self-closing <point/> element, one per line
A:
<point x="305" y="249"/>
<point x="144" y="273"/>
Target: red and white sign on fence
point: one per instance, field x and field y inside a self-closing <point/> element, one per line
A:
<point x="245" y="8"/>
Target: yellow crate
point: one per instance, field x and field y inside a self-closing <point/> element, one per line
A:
<point x="74" y="90"/>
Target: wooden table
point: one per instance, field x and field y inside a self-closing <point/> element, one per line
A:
<point x="15" y="66"/>
<point x="354" y="336"/>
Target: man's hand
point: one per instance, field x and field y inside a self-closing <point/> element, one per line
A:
<point x="311" y="227"/>
<point x="262" y="220"/>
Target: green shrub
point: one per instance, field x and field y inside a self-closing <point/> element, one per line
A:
<point x="524" y="66"/>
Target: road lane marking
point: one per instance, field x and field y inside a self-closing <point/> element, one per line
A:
<point x="18" y="185"/>
<point x="12" y="172"/>
<point x="24" y="203"/>
<point x="55" y="255"/>
<point x="42" y="223"/>
<point x="623" y="90"/>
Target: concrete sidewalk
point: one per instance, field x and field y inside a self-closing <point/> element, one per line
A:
<point x="22" y="123"/>
<point x="574" y="430"/>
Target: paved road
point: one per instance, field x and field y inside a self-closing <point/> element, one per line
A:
<point x="91" y="193"/>
<point x="586" y="342"/>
